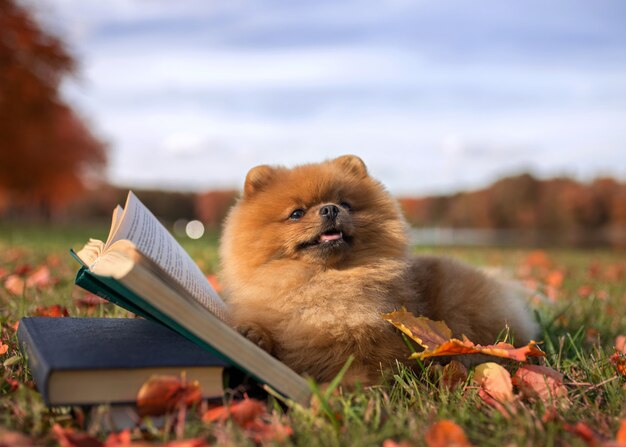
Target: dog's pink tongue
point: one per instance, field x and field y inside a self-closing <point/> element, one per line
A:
<point x="330" y="237"/>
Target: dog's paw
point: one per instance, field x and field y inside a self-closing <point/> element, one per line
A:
<point x="257" y="335"/>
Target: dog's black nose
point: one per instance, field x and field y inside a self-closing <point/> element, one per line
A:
<point x="329" y="211"/>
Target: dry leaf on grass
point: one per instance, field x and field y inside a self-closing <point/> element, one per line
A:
<point x="123" y="437"/>
<point x="15" y="284"/>
<point x="436" y="339"/>
<point x="495" y="380"/>
<point x="12" y="438"/>
<point x="618" y="359"/>
<point x="465" y="346"/>
<point x="620" y="343"/>
<point x="242" y="412"/>
<point x="454" y="374"/>
<point x="426" y="332"/>
<point x="40" y="278"/>
<point x="446" y="433"/>
<point x="584" y="432"/>
<point x="56" y="310"/>
<point x="540" y="382"/>
<point x="68" y="437"/>
<point x="496" y="387"/>
<point x="392" y="443"/>
<point x="620" y="437"/>
<point x="162" y="394"/>
<point x="251" y="415"/>
<point x="89" y="301"/>
<point x="262" y="432"/>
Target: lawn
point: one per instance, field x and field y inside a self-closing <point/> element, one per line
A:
<point x="580" y="302"/>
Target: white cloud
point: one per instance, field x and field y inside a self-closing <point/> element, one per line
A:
<point x="432" y="107"/>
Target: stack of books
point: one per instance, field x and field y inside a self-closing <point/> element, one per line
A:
<point x="141" y="267"/>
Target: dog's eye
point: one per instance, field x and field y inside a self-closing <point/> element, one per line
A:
<point x="346" y="206"/>
<point x="297" y="214"/>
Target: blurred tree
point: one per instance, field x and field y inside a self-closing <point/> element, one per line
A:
<point x="558" y="209"/>
<point x="513" y="202"/>
<point x="212" y="206"/>
<point x="45" y="148"/>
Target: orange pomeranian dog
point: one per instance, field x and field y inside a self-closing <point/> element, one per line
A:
<point x="312" y="256"/>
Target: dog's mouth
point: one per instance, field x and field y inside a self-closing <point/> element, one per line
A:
<point x="329" y="238"/>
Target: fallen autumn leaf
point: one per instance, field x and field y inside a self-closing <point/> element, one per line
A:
<point x="540" y="382"/>
<point x="496" y="387"/>
<point x="446" y="433"/>
<point x="435" y="338"/>
<point x="162" y="394"/>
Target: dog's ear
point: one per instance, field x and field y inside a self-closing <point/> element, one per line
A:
<point x="351" y="163"/>
<point x="257" y="178"/>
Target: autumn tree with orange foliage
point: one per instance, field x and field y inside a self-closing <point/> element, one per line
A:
<point x="46" y="149"/>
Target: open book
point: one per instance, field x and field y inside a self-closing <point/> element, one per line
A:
<point x="142" y="268"/>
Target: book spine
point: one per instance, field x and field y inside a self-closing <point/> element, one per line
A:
<point x="39" y="369"/>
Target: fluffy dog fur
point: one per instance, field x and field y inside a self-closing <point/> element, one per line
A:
<point x="312" y="256"/>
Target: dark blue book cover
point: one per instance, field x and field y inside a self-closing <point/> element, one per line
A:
<point x="80" y="361"/>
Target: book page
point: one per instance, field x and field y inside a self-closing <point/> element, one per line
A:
<point x="151" y="238"/>
<point x="118" y="212"/>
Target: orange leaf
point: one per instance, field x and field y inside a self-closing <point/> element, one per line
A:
<point x="540" y="382"/>
<point x="194" y="442"/>
<point x="465" y="346"/>
<point x="162" y="394"/>
<point x="495" y="380"/>
<point x="68" y="437"/>
<point x="584" y="432"/>
<point x="619" y="362"/>
<point x="89" y="301"/>
<point x="263" y="432"/>
<point x="40" y="278"/>
<point x="621" y="433"/>
<point x="214" y="283"/>
<point x="242" y="413"/>
<point x="454" y="374"/>
<point x="435" y="337"/>
<point x="248" y="414"/>
<point x="555" y="278"/>
<point x="3" y="348"/>
<point x="117" y="439"/>
<point x="620" y="344"/>
<point x="446" y="433"/>
<point x="55" y="310"/>
<point x="12" y="438"/>
<point x="426" y="332"/>
<point x="15" y="284"/>
<point x="22" y="269"/>
<point x="486" y="398"/>
<point x="392" y="443"/>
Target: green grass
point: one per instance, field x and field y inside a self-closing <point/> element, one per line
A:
<point x="580" y="317"/>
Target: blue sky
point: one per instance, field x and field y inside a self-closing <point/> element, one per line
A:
<point x="435" y="96"/>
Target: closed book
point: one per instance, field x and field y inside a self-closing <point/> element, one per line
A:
<point x="84" y="361"/>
